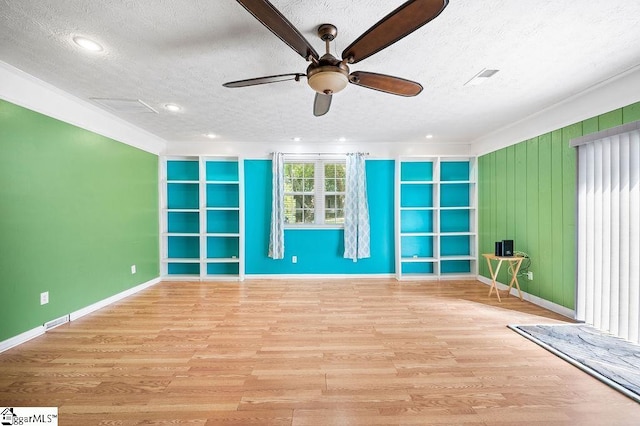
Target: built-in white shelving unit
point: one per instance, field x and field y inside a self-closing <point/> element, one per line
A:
<point x="436" y="217"/>
<point x="202" y="218"/>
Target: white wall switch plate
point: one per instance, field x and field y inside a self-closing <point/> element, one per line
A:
<point x="44" y="298"/>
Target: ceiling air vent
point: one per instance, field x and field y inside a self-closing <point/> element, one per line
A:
<point x="128" y="106"/>
<point x="481" y="77"/>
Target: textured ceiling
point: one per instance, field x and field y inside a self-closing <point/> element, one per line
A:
<point x="182" y="51"/>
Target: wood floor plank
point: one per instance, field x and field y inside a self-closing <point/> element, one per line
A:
<point x="307" y="352"/>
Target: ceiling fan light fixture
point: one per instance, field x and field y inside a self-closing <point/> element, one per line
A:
<point x="327" y="75"/>
<point x="328" y="81"/>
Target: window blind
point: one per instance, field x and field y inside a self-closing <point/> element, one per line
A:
<point x="608" y="287"/>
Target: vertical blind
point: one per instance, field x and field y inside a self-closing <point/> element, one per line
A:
<point x="608" y="290"/>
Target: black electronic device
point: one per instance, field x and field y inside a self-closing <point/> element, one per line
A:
<point x="498" y="251"/>
<point x="507" y="248"/>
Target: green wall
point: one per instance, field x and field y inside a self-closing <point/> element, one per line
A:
<point x="527" y="192"/>
<point x="76" y="211"/>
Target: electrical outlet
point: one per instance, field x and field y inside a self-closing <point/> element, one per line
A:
<point x="44" y="298"/>
<point x="133" y="269"/>
<point x="294" y="259"/>
<point x="530" y="276"/>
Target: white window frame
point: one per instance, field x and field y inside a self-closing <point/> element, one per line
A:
<point x="318" y="193"/>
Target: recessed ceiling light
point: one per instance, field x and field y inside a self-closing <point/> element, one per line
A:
<point x="87" y="44"/>
<point x="172" y="107"/>
<point x="297" y="139"/>
<point x="429" y="136"/>
<point x="342" y="139"/>
<point x="211" y="135"/>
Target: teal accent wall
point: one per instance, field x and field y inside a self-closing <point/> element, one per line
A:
<point x="318" y="251"/>
<point x="77" y="210"/>
<point x="527" y="192"/>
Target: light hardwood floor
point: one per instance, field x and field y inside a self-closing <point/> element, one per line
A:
<point x="332" y="352"/>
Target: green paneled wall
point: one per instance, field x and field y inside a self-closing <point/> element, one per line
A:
<point x="526" y="192"/>
<point x="77" y="210"/>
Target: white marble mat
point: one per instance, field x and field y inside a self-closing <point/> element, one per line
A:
<point x="613" y="360"/>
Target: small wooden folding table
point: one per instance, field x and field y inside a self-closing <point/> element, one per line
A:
<point x="514" y="262"/>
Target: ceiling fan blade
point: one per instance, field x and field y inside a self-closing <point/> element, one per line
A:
<point x="321" y="104"/>
<point x="271" y="18"/>
<point x="398" y="24"/>
<point x="264" y="80"/>
<point x="385" y="83"/>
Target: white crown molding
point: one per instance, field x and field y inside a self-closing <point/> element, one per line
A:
<point x="27" y="91"/>
<point x="611" y="94"/>
<point x="263" y="150"/>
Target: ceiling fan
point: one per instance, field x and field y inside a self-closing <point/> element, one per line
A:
<point x="328" y="75"/>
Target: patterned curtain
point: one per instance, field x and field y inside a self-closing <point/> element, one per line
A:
<point x="356" y="210"/>
<point x="276" y="236"/>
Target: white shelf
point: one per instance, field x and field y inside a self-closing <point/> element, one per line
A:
<point x="417" y="182"/>
<point x="460" y="257"/>
<point x="221" y="182"/>
<point x="180" y="260"/>
<point x="185" y="277"/>
<point x="448" y="182"/>
<point x="217" y="189"/>
<point x="418" y="259"/>
<point x="457" y="208"/>
<point x="222" y="260"/>
<point x="453" y="181"/>
<point x="172" y="210"/>
<point x="223" y="209"/>
<point x="404" y="208"/>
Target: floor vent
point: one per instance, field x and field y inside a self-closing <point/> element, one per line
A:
<point x="56" y="322"/>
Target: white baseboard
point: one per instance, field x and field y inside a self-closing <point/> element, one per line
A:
<point x="21" y="338"/>
<point x="109" y="300"/>
<point x="198" y="278"/>
<point x="436" y="278"/>
<point x="315" y="276"/>
<point x="553" y="307"/>
<point x="40" y="330"/>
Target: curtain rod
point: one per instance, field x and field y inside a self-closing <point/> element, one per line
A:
<point x="614" y="131"/>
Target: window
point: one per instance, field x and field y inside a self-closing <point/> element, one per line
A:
<point x="314" y="192"/>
